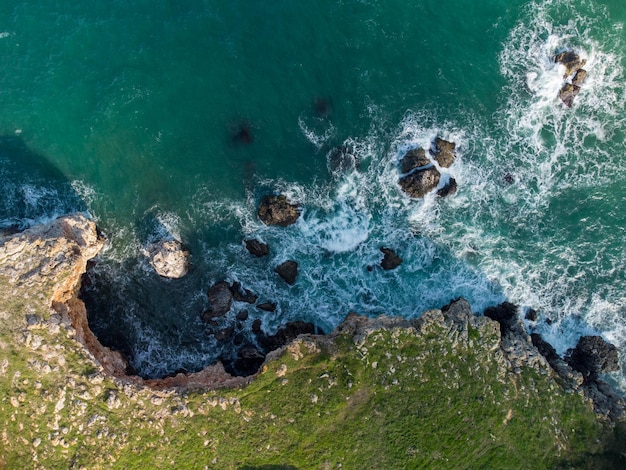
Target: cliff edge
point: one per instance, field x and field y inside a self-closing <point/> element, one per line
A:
<point x="448" y="389"/>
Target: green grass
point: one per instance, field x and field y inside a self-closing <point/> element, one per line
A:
<point x="400" y="401"/>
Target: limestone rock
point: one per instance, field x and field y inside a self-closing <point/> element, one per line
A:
<point x="288" y="271"/>
<point x="277" y="210"/>
<point x="168" y="258"/>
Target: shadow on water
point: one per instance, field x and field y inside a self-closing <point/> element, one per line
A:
<point x="32" y="188"/>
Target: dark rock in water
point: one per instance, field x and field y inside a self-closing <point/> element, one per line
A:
<point x="286" y="334"/>
<point x="391" y="260"/>
<point x="579" y="78"/>
<point x="414" y="158"/>
<point x="256" y="326"/>
<point x="592" y="356"/>
<point x="545" y="348"/>
<point x="568" y="93"/>
<point x="571" y="60"/>
<point x="276" y="210"/>
<point x="241" y="294"/>
<point x="288" y="271"/>
<point x="505" y="314"/>
<point x="267" y="307"/>
<point x="225" y="334"/>
<point x="531" y="314"/>
<point x="257" y="248"/>
<point x="242" y="315"/>
<point x="509" y="179"/>
<point x="221" y="298"/>
<point x="249" y="360"/>
<point x="444" y="152"/>
<point x="342" y="160"/>
<point x="420" y="182"/>
<point x="449" y="189"/>
<point x="238" y="339"/>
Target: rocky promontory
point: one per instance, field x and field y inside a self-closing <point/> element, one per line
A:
<point x="443" y="384"/>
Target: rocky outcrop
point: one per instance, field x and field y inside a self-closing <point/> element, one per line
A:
<point x="277" y="210"/>
<point x="443" y="152"/>
<point x="420" y="182"/>
<point x="50" y="260"/>
<point x="390" y="259"/>
<point x="593" y="356"/>
<point x="449" y="188"/>
<point x="414" y="158"/>
<point x="419" y="176"/>
<point x="574" y="75"/>
<point x="257" y="248"/>
<point x="168" y="258"/>
<point x="288" y="271"/>
<point x="220" y="299"/>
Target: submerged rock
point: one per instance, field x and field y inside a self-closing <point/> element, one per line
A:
<point x="444" y="152"/>
<point x="288" y="271"/>
<point x="168" y="258"/>
<point x="257" y="248"/>
<point x="342" y="160"/>
<point x="391" y="260"/>
<point x="420" y="182"/>
<point x="277" y="210"/>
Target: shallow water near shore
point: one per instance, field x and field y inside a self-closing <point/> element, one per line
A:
<point x="173" y="119"/>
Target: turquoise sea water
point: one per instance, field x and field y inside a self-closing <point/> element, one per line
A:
<point x="131" y="111"/>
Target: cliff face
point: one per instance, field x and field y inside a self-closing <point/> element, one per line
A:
<point x="384" y="391"/>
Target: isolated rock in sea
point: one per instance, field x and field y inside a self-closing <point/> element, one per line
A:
<point x="391" y="260"/>
<point x="277" y="210"/>
<point x="420" y="182"/>
<point x="571" y="61"/>
<point x="220" y="298"/>
<point x="573" y="66"/>
<point x="288" y="271"/>
<point x="168" y="258"/>
<point x="567" y="94"/>
<point x="414" y="158"/>
<point x="449" y="189"/>
<point x="267" y="307"/>
<point x="593" y="356"/>
<point x="444" y="152"/>
<point x="257" y="248"/>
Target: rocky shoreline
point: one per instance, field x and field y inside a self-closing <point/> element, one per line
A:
<point x="52" y="258"/>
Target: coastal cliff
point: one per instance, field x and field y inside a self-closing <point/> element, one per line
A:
<point x="447" y="389"/>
